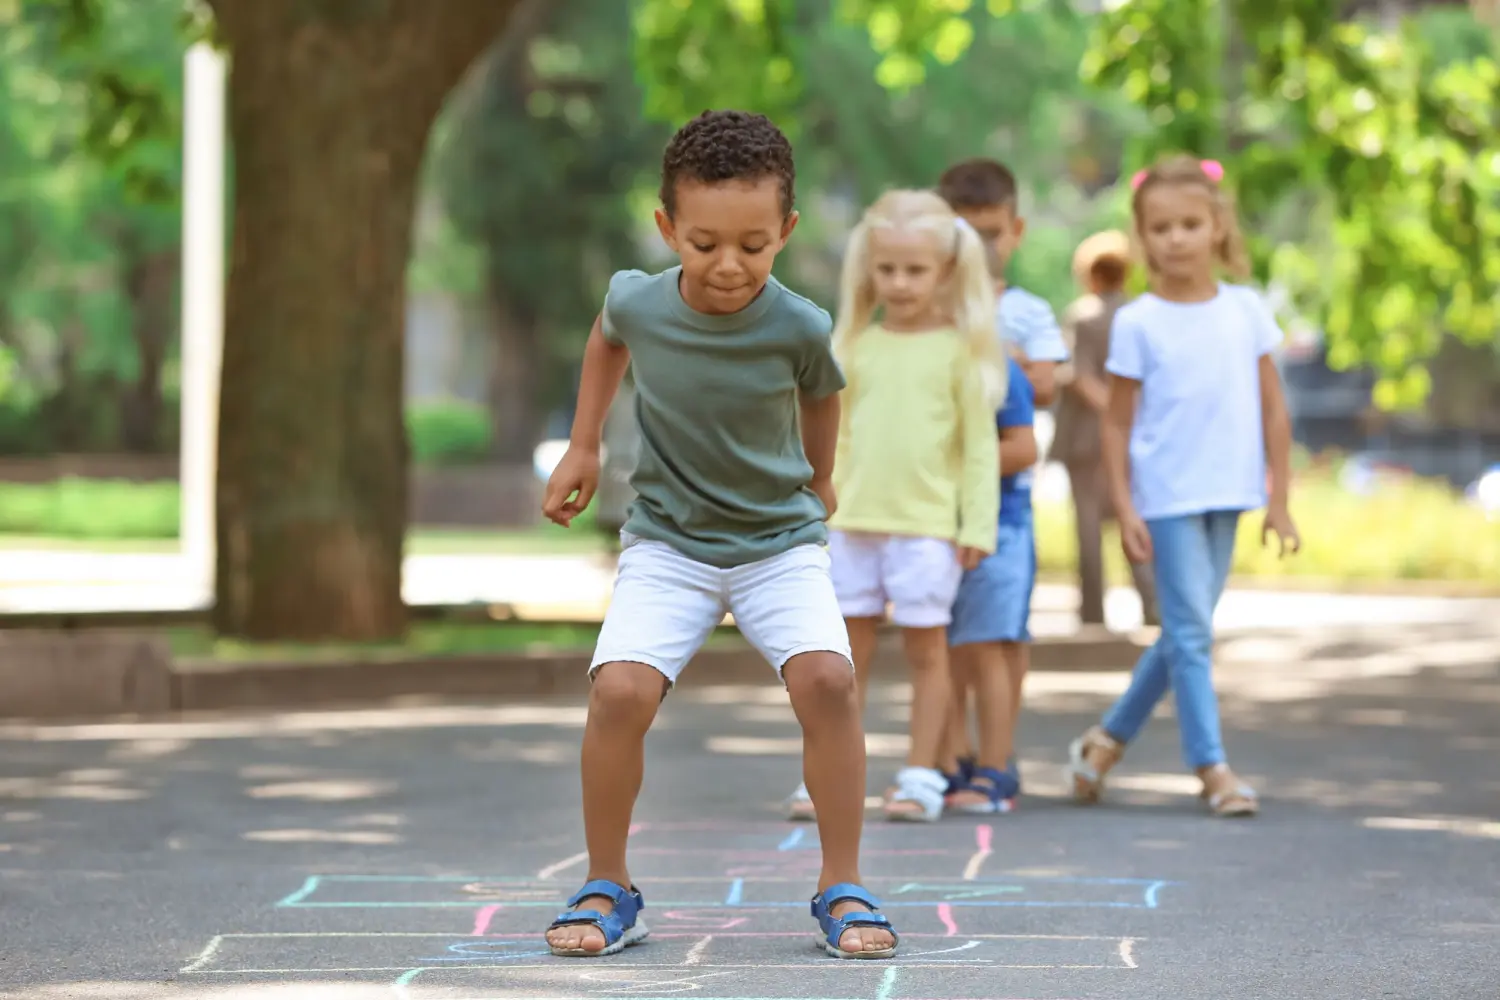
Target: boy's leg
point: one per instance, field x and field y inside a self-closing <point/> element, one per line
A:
<point x="787" y="609"/>
<point x="957" y="743"/>
<point x="663" y="608"/>
<point x="995" y="705"/>
<point x="990" y="621"/>
<point x="1017" y="662"/>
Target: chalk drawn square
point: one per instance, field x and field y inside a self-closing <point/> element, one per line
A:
<point x="742" y="892"/>
<point x="428" y="957"/>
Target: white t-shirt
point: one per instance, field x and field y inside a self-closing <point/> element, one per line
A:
<point x="1028" y="321"/>
<point x="1196" y="444"/>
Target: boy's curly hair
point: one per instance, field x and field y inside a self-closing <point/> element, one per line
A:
<point x="727" y="146"/>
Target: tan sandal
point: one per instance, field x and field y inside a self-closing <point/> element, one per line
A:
<point x="1235" y="801"/>
<point x="1087" y="779"/>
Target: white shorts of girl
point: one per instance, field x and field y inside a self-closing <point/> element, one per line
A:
<point x="917" y="578"/>
<point x="665" y="605"/>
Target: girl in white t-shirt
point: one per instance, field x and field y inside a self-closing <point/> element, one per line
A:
<point x="1196" y="414"/>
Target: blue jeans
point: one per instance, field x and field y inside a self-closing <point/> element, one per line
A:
<point x="1191" y="557"/>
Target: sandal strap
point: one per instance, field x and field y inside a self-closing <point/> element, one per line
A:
<point x="628" y="902"/>
<point x="843" y="892"/>
<point x="1001" y="785"/>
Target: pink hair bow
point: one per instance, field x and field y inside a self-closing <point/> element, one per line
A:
<point x="1213" y="168"/>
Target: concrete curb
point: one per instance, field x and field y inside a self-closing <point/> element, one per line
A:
<point x="208" y="684"/>
<point x="107" y="672"/>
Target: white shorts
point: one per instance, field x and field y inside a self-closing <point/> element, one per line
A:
<point x="917" y="577"/>
<point x="665" y="605"/>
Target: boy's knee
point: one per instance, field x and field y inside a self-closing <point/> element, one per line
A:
<point x="819" y="677"/>
<point x="626" y="693"/>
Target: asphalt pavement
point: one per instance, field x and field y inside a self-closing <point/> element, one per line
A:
<point x="416" y="851"/>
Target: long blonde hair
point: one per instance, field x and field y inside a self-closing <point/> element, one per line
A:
<point x="968" y="291"/>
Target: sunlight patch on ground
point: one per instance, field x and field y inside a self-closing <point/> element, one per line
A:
<point x="366" y="838"/>
<point x="234" y="727"/>
<point x="876" y="745"/>
<point x="323" y="791"/>
<point x="1461" y="826"/>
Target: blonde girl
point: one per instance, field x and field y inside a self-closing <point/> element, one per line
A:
<point x="917" y="471"/>
<point x="1195" y="417"/>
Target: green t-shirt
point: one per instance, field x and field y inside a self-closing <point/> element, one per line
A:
<point x="722" y="476"/>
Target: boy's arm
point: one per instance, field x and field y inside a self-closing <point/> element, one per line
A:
<point x="979" y="490"/>
<point x="604" y="364"/>
<point x="819" y="382"/>
<point x="1043" y="378"/>
<point x="820" y="433"/>
<point x="1018" y="450"/>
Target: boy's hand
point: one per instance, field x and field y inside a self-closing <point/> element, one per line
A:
<point x="824" y="489"/>
<point x="969" y="557"/>
<point x="1135" y="537"/>
<point x="1279" y="520"/>
<point x="571" y="486"/>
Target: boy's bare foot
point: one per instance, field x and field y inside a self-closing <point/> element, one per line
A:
<point x="586" y="937"/>
<point x="861" y="938"/>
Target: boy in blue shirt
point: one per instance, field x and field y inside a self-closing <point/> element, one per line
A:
<point x="989" y="635"/>
<point x="985" y="193"/>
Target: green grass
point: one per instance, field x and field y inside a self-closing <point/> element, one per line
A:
<point x="423" y="639"/>
<point x="1409" y="530"/>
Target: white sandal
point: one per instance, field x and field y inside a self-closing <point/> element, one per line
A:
<point x="1234" y="802"/>
<point x="799" y="807"/>
<point x="1086" y="780"/>
<point x="924" y="786"/>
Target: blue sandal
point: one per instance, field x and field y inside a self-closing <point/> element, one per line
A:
<point x="1000" y="787"/>
<point x="621" y="927"/>
<point x="833" y="928"/>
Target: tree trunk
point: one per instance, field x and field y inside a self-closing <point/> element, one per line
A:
<point x="151" y="282"/>
<point x="515" y="380"/>
<point x="330" y="104"/>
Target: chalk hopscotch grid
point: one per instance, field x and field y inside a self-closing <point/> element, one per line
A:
<point x="1150" y="888"/>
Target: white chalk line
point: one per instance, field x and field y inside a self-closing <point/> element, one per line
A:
<point x="206" y="955"/>
<point x="695" y="953"/>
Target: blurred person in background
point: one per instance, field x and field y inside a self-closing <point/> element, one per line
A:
<point x="1102" y="267"/>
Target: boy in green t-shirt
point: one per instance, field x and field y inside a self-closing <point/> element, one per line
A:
<point x="737" y="404"/>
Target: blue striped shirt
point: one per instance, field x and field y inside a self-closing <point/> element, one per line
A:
<point x="1027" y="321"/>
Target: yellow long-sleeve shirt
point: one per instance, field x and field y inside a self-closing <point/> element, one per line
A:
<point x="918" y="452"/>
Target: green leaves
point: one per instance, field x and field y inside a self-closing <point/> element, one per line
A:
<point x="756" y="54"/>
<point x="1363" y="159"/>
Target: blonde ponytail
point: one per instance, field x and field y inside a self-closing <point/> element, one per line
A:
<point x="856" y="292"/>
<point x="974" y="311"/>
<point x="971" y="295"/>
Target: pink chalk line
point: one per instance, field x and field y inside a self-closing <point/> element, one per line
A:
<point x="945" y="914"/>
<point x="482" y="919"/>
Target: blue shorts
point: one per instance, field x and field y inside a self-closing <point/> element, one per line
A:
<point x="994" y="600"/>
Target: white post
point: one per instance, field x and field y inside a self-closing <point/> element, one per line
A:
<point x="202" y="304"/>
